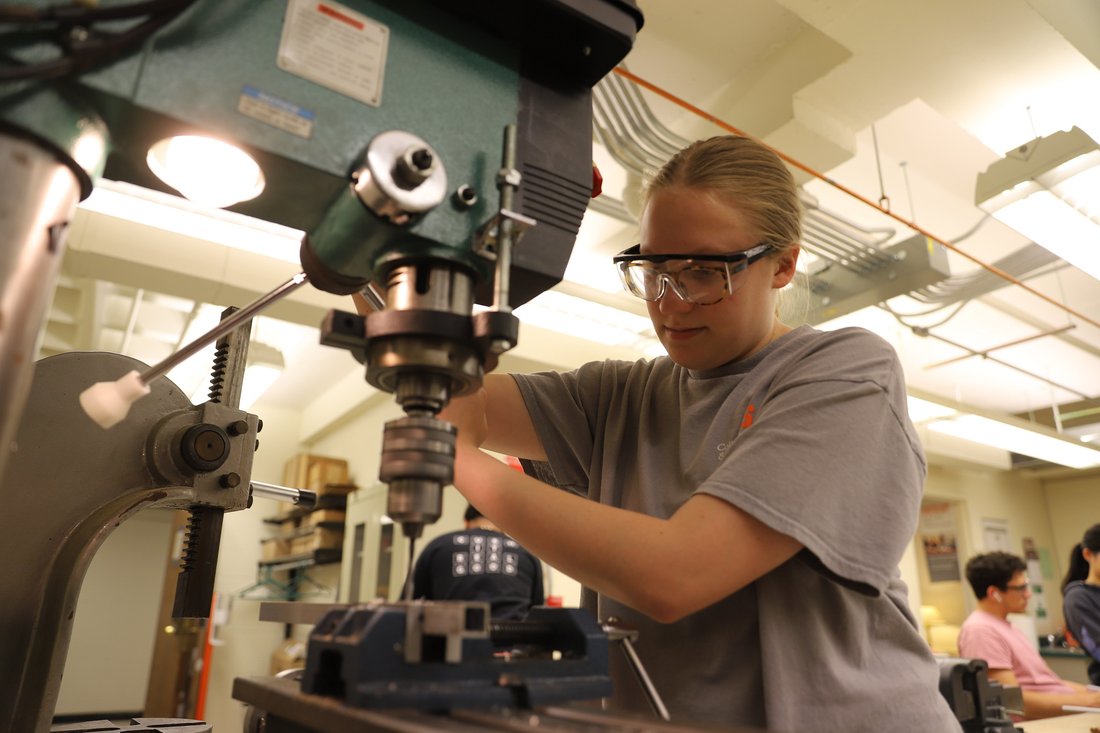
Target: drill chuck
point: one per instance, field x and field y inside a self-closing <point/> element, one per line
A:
<point x="417" y="462"/>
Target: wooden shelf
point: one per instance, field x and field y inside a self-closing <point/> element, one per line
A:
<point x="322" y="556"/>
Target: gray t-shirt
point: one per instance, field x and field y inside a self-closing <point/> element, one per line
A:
<point x="810" y="436"/>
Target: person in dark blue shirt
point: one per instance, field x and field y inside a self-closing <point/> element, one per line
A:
<point x="1081" y="592"/>
<point x="480" y="563"/>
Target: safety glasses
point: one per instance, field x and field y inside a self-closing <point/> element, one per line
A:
<point x="703" y="279"/>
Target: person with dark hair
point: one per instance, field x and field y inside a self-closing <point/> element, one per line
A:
<point x="1081" y="597"/>
<point x="744" y="501"/>
<point x="1001" y="585"/>
<point x="480" y="564"/>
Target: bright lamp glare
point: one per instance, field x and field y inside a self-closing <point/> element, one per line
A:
<point x="1049" y="191"/>
<point x="923" y="410"/>
<point x="89" y="150"/>
<point x="1018" y="440"/>
<point x="205" y="170"/>
<point x="1082" y="190"/>
<point x="1048" y="220"/>
<point x="257" y="379"/>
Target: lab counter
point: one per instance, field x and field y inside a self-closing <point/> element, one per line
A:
<point x="1069" y="664"/>
<point x="1077" y="723"/>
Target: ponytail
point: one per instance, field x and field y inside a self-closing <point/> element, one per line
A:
<point x="1078" y="568"/>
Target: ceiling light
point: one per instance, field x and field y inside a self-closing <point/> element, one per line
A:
<point x="1049" y="191"/>
<point x="205" y="170"/>
<point x="923" y="410"/>
<point x="1004" y="432"/>
<point x="573" y="316"/>
<point x="174" y="214"/>
<point x="264" y="365"/>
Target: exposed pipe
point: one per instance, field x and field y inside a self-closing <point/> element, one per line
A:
<point x="683" y="104"/>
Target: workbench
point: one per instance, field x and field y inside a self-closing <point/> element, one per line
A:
<point x="1076" y="723"/>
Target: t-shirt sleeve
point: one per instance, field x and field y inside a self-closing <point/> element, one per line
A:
<point x="1083" y="621"/>
<point x="567" y="406"/>
<point x="983" y="642"/>
<point x="831" y="460"/>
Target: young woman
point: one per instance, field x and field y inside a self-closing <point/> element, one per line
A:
<point x="1081" y="597"/>
<point x="743" y="502"/>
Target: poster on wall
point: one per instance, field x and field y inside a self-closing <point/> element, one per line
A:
<point x="1037" y="605"/>
<point x="995" y="535"/>
<point x="938" y="538"/>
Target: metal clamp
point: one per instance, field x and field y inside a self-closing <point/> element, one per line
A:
<point x="487" y="235"/>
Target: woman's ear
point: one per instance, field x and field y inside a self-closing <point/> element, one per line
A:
<point x="786" y="265"/>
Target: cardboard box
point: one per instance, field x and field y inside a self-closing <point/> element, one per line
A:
<point x="296" y="471"/>
<point x="318" y="538"/>
<point x="273" y="548"/>
<point x="291" y="654"/>
<point x="326" y="516"/>
<point x="327" y="490"/>
<point x="288" y="526"/>
<point x="325" y="473"/>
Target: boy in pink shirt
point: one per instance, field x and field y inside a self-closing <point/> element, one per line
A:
<point x="1000" y="582"/>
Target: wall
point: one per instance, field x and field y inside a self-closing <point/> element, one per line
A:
<point x="1074" y="503"/>
<point x="248" y="642"/>
<point x="112" y="643"/>
<point x="1018" y="499"/>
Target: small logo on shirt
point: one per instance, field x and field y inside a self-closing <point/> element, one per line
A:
<point x="746" y="422"/>
<point x="723" y="449"/>
<point x="481" y="555"/>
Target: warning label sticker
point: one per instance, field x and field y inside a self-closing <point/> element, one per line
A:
<point x="336" y="47"/>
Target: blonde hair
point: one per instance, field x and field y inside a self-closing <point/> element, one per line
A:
<point x="743" y="173"/>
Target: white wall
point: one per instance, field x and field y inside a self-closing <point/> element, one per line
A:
<point x="1074" y="503"/>
<point x="249" y="642"/>
<point x="982" y="493"/>
<point x="107" y="669"/>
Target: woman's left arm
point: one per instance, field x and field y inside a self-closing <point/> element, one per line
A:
<point x="635" y="558"/>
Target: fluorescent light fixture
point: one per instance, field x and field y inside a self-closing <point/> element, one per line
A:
<point x="1004" y="432"/>
<point x="1049" y="191"/>
<point x="174" y="214"/>
<point x="264" y="365"/>
<point x="924" y="410"/>
<point x="206" y="170"/>
<point x="584" y="319"/>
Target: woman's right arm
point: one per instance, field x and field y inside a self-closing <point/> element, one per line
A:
<point x="507" y="424"/>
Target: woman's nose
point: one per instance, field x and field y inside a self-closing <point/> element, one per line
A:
<point x="671" y="302"/>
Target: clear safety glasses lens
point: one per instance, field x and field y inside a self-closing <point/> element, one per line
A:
<point x="694" y="283"/>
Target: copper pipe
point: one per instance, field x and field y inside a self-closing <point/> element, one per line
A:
<point x="985" y="352"/>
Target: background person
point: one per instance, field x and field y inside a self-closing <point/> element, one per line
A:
<point x="480" y="564"/>
<point x="1081" y="597"/>
<point x="749" y="496"/>
<point x="1000" y="583"/>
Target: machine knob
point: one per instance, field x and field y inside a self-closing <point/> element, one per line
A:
<point x="204" y="447"/>
<point x="400" y="177"/>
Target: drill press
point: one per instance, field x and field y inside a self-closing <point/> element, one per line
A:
<point x="378" y="126"/>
